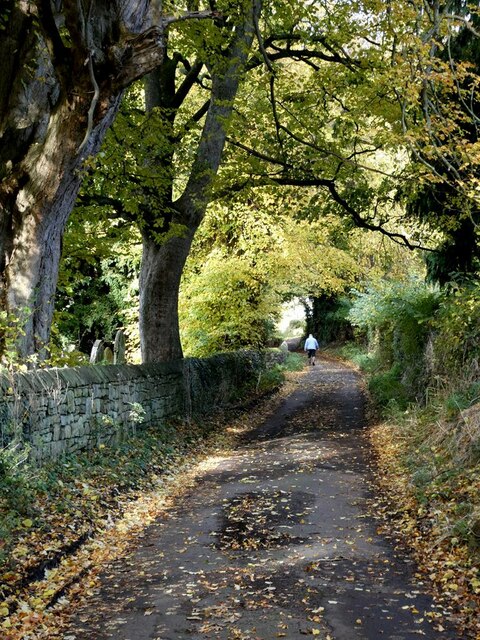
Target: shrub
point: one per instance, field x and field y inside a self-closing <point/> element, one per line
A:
<point x="366" y="361"/>
<point x="294" y="362"/>
<point x="397" y="319"/>
<point x="270" y="378"/>
<point x="456" y="342"/>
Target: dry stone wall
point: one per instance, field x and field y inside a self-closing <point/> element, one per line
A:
<point x="62" y="411"/>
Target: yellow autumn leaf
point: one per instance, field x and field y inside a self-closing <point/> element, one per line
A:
<point x="475" y="584"/>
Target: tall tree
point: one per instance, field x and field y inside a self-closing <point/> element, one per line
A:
<point x="173" y="192"/>
<point x="325" y="108"/>
<point x="163" y="259"/>
<point x="448" y="102"/>
<point x="65" y="66"/>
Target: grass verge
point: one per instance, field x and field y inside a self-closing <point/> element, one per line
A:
<point x="431" y="504"/>
<point x="428" y="469"/>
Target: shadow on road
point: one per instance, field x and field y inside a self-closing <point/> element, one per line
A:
<point x="275" y="542"/>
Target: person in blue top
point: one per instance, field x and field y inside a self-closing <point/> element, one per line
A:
<point x="311" y="345"/>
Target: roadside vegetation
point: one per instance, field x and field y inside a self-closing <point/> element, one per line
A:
<point x="419" y="347"/>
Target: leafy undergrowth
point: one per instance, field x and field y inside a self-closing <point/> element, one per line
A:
<point x="73" y="517"/>
<point x="430" y="480"/>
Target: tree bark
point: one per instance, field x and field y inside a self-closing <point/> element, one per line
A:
<point x="36" y="222"/>
<point x="163" y="262"/>
<point x="162" y="267"/>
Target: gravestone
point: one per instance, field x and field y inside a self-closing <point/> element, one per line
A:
<point x="108" y="355"/>
<point x="119" y="348"/>
<point x="97" y="352"/>
<point x="293" y="343"/>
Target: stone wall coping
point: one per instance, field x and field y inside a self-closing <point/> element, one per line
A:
<point x="62" y="378"/>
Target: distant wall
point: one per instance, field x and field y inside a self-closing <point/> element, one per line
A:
<point x="61" y="411"/>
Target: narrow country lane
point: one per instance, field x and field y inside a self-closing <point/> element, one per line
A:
<point x="274" y="542"/>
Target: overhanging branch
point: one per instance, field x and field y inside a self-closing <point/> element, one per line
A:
<point x="258" y="154"/>
<point x="312" y="181"/>
<point x="399" y="238"/>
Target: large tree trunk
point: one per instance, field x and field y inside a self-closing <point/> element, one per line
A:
<point x="35" y="222"/>
<point x="163" y="262"/>
<point x="162" y="267"/>
<point x="65" y="66"/>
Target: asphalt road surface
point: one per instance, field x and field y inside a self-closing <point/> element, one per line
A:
<point x="275" y="542"/>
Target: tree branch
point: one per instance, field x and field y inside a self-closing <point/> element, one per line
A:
<point x="141" y="53"/>
<point x="196" y="117"/>
<point x="261" y="46"/>
<point x="225" y="82"/>
<point x="187" y="84"/>
<point x="464" y="20"/>
<point x="335" y="56"/>
<point x="302" y="55"/>
<point x="294" y="181"/>
<point x="257" y="154"/>
<point x="399" y="238"/>
<point x="276" y="119"/>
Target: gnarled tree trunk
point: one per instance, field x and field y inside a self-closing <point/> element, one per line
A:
<point x="35" y="220"/>
<point x="65" y="66"/>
